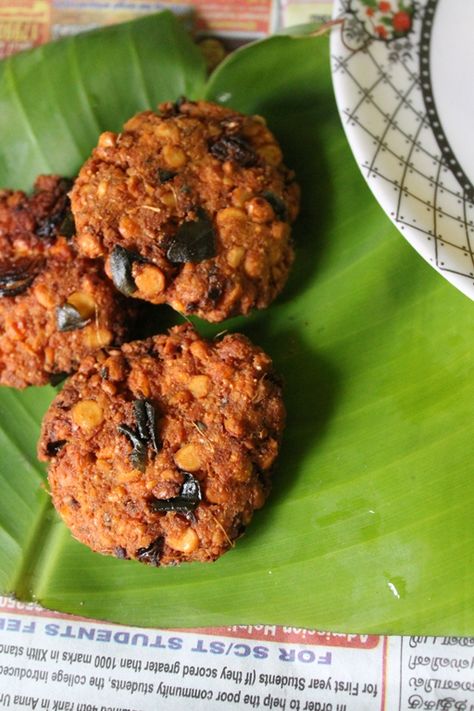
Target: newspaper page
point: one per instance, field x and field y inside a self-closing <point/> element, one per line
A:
<point x="298" y="12"/>
<point x="68" y="17"/>
<point x="52" y="661"/>
<point x="29" y="23"/>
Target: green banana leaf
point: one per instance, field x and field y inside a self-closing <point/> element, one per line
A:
<point x="369" y="527"/>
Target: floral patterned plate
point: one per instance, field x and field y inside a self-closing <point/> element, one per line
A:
<point x="401" y="73"/>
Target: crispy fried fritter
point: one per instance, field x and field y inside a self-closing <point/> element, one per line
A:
<point x="191" y="207"/>
<point x="55" y="307"/>
<point x="162" y="450"/>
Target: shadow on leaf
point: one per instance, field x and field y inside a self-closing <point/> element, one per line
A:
<point x="311" y="386"/>
<point x="305" y="154"/>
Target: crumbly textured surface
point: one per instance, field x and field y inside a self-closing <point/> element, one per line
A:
<point x="192" y="207"/>
<point x="55" y="308"/>
<point x="162" y="450"/>
<point x="31" y="223"/>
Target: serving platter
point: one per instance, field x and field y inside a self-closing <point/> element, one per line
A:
<point x="400" y="73"/>
<point x="369" y="524"/>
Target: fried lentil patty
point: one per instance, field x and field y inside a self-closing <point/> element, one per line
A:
<point x="55" y="308"/>
<point x="191" y="207"/>
<point x="162" y="450"/>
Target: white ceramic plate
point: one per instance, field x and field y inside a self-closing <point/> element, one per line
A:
<point x="402" y="73"/>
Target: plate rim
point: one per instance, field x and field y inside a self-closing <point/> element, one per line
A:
<point x="420" y="235"/>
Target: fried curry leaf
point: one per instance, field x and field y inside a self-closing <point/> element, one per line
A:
<point x="194" y="241"/>
<point x="68" y="318"/>
<point x="121" y="261"/>
<point x="67" y="228"/>
<point x="54" y="447"/>
<point x="138" y="455"/>
<point x="279" y="207"/>
<point x="145" y="417"/>
<point x="17" y="276"/>
<point x="185" y="503"/>
<point x="234" y="148"/>
<point x="152" y="553"/>
<point x="165" y="175"/>
<point x="144" y="435"/>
